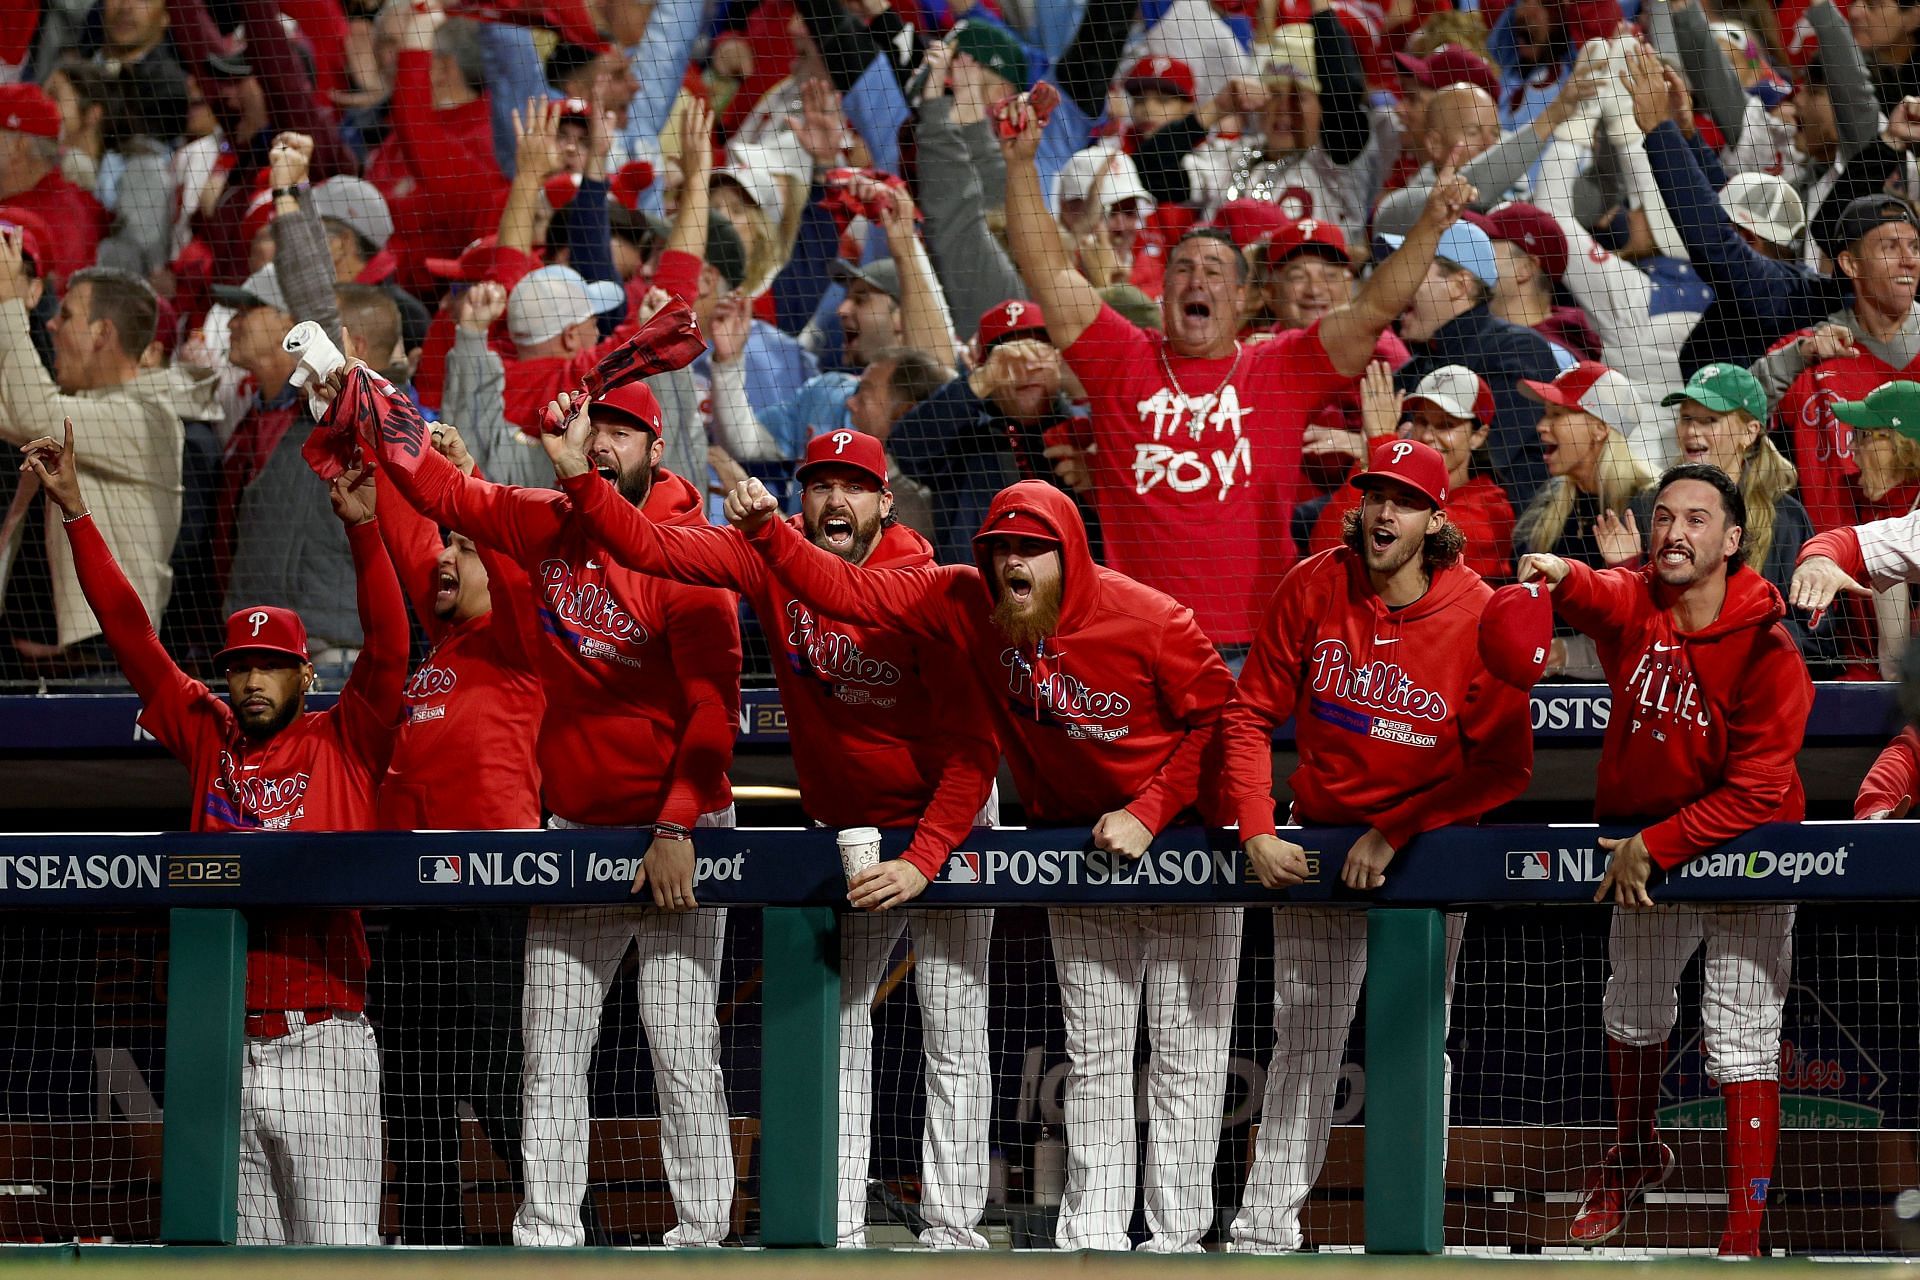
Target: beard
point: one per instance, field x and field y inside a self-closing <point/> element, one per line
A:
<point x="260" y="728"/>
<point x="634" y="488"/>
<point x="1029" y="623"/>
<point x="855" y="550"/>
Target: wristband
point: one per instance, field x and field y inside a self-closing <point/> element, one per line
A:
<point x="67" y="519"/>
<point x="291" y="193"/>
<point x="671" y="831"/>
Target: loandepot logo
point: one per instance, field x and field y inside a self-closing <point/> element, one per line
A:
<point x="1765" y="864"/>
<point x="1091" y="866"/>
<point x="1828" y="1080"/>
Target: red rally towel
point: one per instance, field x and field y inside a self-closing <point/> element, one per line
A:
<point x="670" y="340"/>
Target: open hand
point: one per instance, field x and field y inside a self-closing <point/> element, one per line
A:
<point x="1627" y="873"/>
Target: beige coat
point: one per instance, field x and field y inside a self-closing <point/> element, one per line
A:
<point x="129" y="440"/>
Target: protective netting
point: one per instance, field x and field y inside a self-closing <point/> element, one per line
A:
<point x="486" y="198"/>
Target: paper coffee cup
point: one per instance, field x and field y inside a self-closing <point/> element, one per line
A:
<point x="859" y="849"/>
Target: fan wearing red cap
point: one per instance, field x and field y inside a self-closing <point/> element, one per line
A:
<point x="1104" y="694"/>
<point x="1370" y="649"/>
<point x="260" y="761"/>
<point x="1450" y="410"/>
<point x="1710" y="704"/>
<point x="883" y="735"/>
<point x="31" y="181"/>
<point x="642" y="681"/>
<point x="1531" y="251"/>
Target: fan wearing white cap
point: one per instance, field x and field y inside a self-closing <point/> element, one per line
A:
<point x="1108" y="175"/>
<point x="1598" y="499"/>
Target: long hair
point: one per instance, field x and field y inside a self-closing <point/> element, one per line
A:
<point x="1765" y="476"/>
<point x="1438" y="550"/>
<point x="1544" y="522"/>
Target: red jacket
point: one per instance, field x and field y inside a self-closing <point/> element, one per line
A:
<point x="1893" y="782"/>
<point x="462" y="757"/>
<point x="1400" y="726"/>
<point x="1479" y="507"/>
<point x="1115" y="709"/>
<point x="77" y="221"/>
<point x="317" y="774"/>
<point x="882" y="734"/>
<point x="1706" y="724"/>
<point x="642" y="677"/>
<point x="1822" y="444"/>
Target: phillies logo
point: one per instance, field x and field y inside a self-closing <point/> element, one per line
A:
<point x="1059" y="692"/>
<point x="1014" y="311"/>
<point x="257" y="619"/>
<point x="833" y="655"/>
<point x="1398" y="452"/>
<point x="841" y="439"/>
<point x="1378" y="686"/>
<point x="258" y="795"/>
<point x="587" y="605"/>
<point x="430" y="682"/>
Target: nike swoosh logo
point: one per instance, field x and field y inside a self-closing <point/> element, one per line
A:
<point x="1378" y="640"/>
<point x="592" y="564"/>
<point x="1664" y="648"/>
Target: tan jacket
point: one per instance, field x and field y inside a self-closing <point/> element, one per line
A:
<point x="129" y="440"/>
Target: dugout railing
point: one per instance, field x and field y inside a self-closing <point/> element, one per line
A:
<point x="206" y="881"/>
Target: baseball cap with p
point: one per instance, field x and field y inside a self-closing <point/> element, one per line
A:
<point x="548" y="302"/>
<point x="845" y="448"/>
<point x="1723" y="388"/>
<point x="1456" y="391"/>
<point x="1892" y="406"/>
<point x="1534" y="230"/>
<point x="264" y="629"/>
<point x="1408" y="462"/>
<point x="1157" y="73"/>
<point x="1592" y="388"/>
<point x="1014" y="318"/>
<point x="1307" y="236"/>
<point x="262" y="289"/>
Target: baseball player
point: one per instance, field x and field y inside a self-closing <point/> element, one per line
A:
<point x="642" y="682"/>
<point x="1105" y="695"/>
<point x="462" y="761"/>
<point x="881" y="737"/>
<point x="1710" y="702"/>
<point x="310" y="1082"/>
<point x="1371" y="650"/>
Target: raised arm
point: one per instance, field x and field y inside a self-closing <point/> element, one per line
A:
<point x="370" y="700"/>
<point x="1066" y="297"/>
<point x="976" y="268"/>
<point x="698" y="555"/>
<point x="302" y="261"/>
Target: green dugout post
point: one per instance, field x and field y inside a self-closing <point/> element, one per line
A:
<point x="800" y="1079"/>
<point x="1406" y="1092"/>
<point x="206" y="1027"/>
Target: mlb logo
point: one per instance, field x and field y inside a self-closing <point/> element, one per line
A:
<point x="962" y="867"/>
<point x="1533" y="865"/>
<point x="440" y="868"/>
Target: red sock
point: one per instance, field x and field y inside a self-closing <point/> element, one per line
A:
<point x="1753" y="1134"/>
<point x="1636" y="1089"/>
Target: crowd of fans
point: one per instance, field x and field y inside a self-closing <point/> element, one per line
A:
<point x="1690" y="237"/>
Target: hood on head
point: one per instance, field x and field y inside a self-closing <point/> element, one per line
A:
<point x="1055" y="510"/>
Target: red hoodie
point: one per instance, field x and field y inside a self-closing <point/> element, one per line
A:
<point x="462" y="758"/>
<point x="1822" y="444"/>
<point x="1400" y="726"/>
<point x="1893" y="782"/>
<point x="1115" y="709"/>
<point x="317" y="774"/>
<point x="882" y="735"/>
<point x="642" y="677"/>
<point x="1706" y="724"/>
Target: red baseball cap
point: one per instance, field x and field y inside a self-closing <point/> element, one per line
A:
<point x="633" y="400"/>
<point x="26" y="108"/>
<point x="1418" y="466"/>
<point x="265" y="628"/>
<point x="1308" y="235"/>
<point x="1158" y="71"/>
<point x="1516" y="632"/>
<point x="1591" y="387"/>
<point x="846" y="448"/>
<point x="34" y="236"/>
<point x="1248" y="220"/>
<point x="1014" y="318"/>
<point x="484" y="259"/>
<point x="1452" y="64"/>
<point x="1015" y="522"/>
<point x="1534" y="230"/>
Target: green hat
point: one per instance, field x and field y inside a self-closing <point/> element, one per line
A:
<point x="1894" y="406"/>
<point x="1724" y="388"/>
<point x="994" y="49"/>
<point x="1133" y="304"/>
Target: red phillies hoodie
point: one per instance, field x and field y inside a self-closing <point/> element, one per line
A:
<point x="1706" y="724"/>
<point x="642" y="676"/>
<point x="882" y="733"/>
<point x="1894" y="780"/>
<point x="1115" y="709"/>
<point x="1400" y="726"/>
